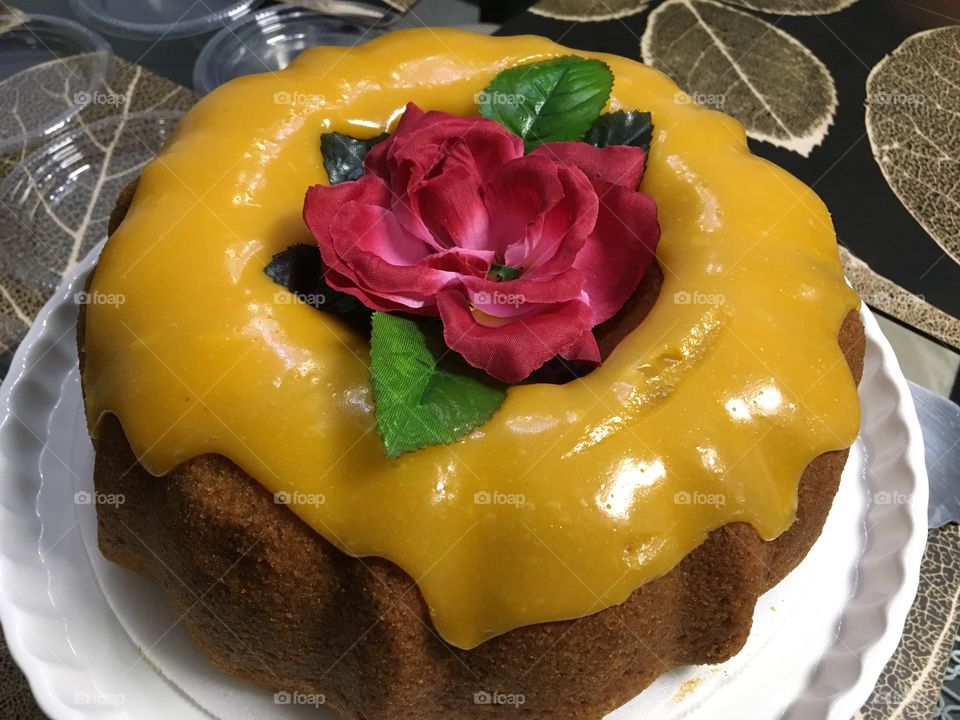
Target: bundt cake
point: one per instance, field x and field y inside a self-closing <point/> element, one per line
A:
<point x="569" y="546"/>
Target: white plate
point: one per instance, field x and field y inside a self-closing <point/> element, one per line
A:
<point x="98" y="642"/>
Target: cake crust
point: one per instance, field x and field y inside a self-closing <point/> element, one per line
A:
<point x="270" y="601"/>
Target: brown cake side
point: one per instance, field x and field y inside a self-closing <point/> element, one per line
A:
<point x="268" y="600"/>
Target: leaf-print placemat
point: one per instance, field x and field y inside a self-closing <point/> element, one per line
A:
<point x="789" y="102"/>
<point x="891" y="299"/>
<point x="910" y="684"/>
<point x="41" y="244"/>
<point x="913" y="119"/>
<point x="878" y="139"/>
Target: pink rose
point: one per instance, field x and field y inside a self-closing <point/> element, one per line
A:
<point x="519" y="256"/>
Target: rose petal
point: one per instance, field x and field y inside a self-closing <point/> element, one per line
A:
<point x="362" y="228"/>
<point x="487" y="141"/>
<point x="619" y="250"/>
<point x="450" y="204"/>
<point x="427" y="137"/>
<point x="518" y="205"/>
<point x="360" y="204"/>
<point x="522" y="296"/>
<point x="365" y="247"/>
<point x="376" y="160"/>
<point x="583" y="349"/>
<point x="513" y="350"/>
<point x="618" y="164"/>
<point x="543" y="212"/>
<point x="447" y="159"/>
<point x="566" y="227"/>
<point x="320" y="205"/>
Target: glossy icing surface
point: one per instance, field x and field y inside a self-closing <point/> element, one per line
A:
<point x="571" y="496"/>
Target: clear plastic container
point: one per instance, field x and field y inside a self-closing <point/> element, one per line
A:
<point x="160" y="19"/>
<point x="50" y="69"/>
<point x="270" y="39"/>
<point x="55" y="204"/>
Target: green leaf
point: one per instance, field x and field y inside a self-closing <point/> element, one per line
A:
<point x="417" y="402"/>
<point x="634" y="128"/>
<point x="343" y="155"/>
<point x="551" y="101"/>
<point x="299" y="269"/>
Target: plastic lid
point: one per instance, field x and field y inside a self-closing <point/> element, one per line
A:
<point x="69" y="184"/>
<point x="160" y="19"/>
<point x="269" y="40"/>
<point x="50" y="69"/>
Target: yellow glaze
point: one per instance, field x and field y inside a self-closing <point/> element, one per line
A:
<point x="571" y="496"/>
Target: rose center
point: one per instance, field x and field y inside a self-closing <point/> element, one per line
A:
<point x="503" y="273"/>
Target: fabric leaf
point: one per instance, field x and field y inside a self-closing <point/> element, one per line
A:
<point x="551" y="101"/>
<point x="417" y="402"/>
<point x="299" y="269"/>
<point x="343" y="155"/>
<point x="634" y="128"/>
